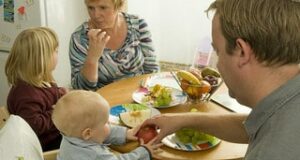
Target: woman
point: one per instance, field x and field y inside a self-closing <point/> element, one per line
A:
<point x="110" y="46"/>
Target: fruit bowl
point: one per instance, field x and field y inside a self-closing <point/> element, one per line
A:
<point x="199" y="85"/>
<point x="199" y="92"/>
<point x="195" y="91"/>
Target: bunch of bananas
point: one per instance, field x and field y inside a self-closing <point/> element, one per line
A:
<point x="197" y="83"/>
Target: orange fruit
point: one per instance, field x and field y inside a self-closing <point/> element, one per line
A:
<point x="205" y="87"/>
<point x="184" y="84"/>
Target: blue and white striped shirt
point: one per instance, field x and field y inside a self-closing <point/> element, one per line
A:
<point x="135" y="57"/>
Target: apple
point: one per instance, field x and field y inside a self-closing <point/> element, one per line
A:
<point x="184" y="84"/>
<point x="147" y="133"/>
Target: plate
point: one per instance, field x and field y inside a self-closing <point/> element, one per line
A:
<point x="173" y="142"/>
<point x="163" y="78"/>
<point x="116" y="110"/>
<point x="178" y="97"/>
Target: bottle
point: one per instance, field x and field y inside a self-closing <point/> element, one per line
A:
<point x="203" y="54"/>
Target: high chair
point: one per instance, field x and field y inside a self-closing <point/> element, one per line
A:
<point x="50" y="155"/>
<point x="4" y="115"/>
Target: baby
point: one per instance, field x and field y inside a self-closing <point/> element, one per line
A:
<point x="82" y="118"/>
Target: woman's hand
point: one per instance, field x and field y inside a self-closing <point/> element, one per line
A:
<point x="97" y="42"/>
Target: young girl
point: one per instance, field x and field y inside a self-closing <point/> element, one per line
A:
<point x="33" y="91"/>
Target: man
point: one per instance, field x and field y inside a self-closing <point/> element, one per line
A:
<point x="258" y="45"/>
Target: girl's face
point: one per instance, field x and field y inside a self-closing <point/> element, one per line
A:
<point x="55" y="58"/>
<point x="102" y="13"/>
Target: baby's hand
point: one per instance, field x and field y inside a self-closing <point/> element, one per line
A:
<point x="152" y="147"/>
<point x="131" y="133"/>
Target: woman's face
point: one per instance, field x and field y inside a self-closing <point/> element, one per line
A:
<point x="102" y="13"/>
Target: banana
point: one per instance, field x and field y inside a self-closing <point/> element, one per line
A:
<point x="210" y="71"/>
<point x="186" y="75"/>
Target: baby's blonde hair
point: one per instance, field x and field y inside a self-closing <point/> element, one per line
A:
<point x="31" y="56"/>
<point x="78" y="110"/>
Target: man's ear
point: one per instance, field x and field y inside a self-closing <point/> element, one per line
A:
<point x="86" y="134"/>
<point x="244" y="52"/>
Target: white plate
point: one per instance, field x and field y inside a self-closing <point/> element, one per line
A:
<point x="116" y="110"/>
<point x="173" y="142"/>
<point x="178" y="97"/>
<point x="163" y="78"/>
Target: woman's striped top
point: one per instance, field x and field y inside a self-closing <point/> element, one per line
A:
<point x="135" y="57"/>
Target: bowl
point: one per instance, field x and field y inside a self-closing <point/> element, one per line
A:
<point x="199" y="92"/>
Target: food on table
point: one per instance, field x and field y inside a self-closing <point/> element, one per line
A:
<point x="159" y="95"/>
<point x="196" y="72"/>
<point x="194" y="110"/>
<point x="134" y="107"/>
<point x="197" y="83"/>
<point x="135" y="117"/>
<point x="188" y="135"/>
<point x="211" y="79"/>
<point x="188" y="76"/>
<point x="147" y="133"/>
<point x="210" y="71"/>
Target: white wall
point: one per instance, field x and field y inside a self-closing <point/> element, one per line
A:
<point x="177" y="26"/>
<point x="3" y="82"/>
<point x="63" y="16"/>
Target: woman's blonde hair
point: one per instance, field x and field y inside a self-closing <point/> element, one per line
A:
<point x="271" y="27"/>
<point x="31" y="57"/>
<point x="119" y="4"/>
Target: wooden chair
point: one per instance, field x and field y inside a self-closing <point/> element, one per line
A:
<point x="50" y="155"/>
<point x="4" y="115"/>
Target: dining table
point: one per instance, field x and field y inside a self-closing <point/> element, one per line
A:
<point x="120" y="92"/>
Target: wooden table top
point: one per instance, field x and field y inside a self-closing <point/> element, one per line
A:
<point x="120" y="92"/>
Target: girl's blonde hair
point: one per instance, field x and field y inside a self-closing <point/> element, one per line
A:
<point x="31" y="57"/>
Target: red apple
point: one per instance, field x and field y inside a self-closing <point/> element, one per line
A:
<point x="147" y="133"/>
<point x="184" y="84"/>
